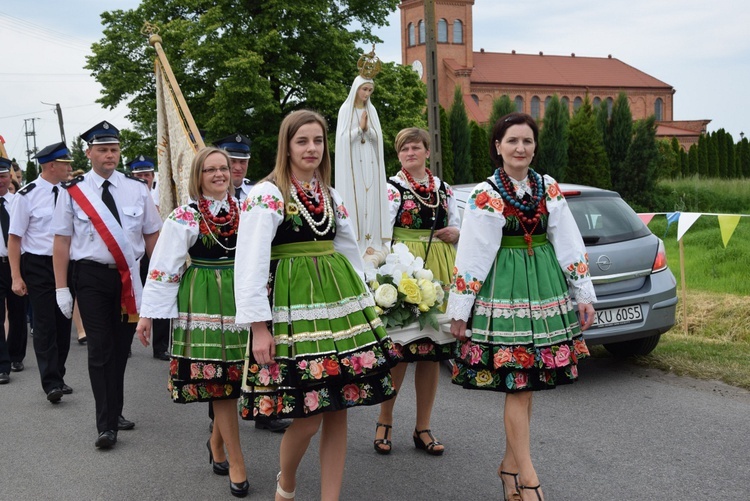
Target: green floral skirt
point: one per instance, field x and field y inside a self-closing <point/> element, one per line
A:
<point x="332" y="351"/>
<point x="208" y="348"/>
<point x="440" y="262"/>
<point x="525" y="332"/>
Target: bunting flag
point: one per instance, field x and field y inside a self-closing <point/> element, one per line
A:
<point x="3" y="153"/>
<point x="175" y="146"/>
<point x="687" y="219"/>
<point x="647" y="217"/>
<point x="727" y="224"/>
<point x="671" y="218"/>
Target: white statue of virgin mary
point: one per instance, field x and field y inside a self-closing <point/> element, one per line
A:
<point x="360" y="171"/>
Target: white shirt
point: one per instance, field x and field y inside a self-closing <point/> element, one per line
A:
<point x="8" y="197"/>
<point x="245" y="188"/>
<point x="135" y="207"/>
<point x="31" y="216"/>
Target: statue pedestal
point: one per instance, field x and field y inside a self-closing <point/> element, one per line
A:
<point x="405" y="335"/>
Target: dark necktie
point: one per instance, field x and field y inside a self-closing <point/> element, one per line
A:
<point x="4" y="220"/>
<point x="109" y="201"/>
<point x="55" y="190"/>
<point x="237" y="192"/>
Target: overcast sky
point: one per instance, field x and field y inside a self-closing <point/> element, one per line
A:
<point x="700" y="48"/>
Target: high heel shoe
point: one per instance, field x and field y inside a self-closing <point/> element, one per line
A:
<point x="535" y="489"/>
<point x="429" y="448"/>
<point x="239" y="490"/>
<point x="219" y="468"/>
<point x="281" y="492"/>
<point x="516" y="494"/>
<point x="385" y="441"/>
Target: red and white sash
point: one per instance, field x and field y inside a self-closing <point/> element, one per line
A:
<point x="116" y="241"/>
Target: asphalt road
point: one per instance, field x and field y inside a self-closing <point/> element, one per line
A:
<point x="621" y="433"/>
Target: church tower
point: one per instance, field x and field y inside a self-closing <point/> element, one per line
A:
<point x="455" y="59"/>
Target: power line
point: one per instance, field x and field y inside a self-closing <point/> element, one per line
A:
<point x="36" y="31"/>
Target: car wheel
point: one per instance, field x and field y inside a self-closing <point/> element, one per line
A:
<point x="642" y="346"/>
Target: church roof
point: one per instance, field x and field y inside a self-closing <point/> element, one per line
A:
<point x="560" y="71"/>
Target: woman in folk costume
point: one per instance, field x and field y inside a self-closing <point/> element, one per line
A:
<point x="208" y="347"/>
<point x="360" y="168"/>
<point x="317" y="345"/>
<point x="519" y="252"/>
<point x="425" y="218"/>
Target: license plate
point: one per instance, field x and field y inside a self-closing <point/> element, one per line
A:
<point x="618" y="316"/>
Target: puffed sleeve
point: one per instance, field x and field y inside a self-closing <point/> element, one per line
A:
<point x="345" y="241"/>
<point x="262" y="213"/>
<point x="394" y="202"/>
<point x="566" y="239"/>
<point x="454" y="216"/>
<point x="168" y="263"/>
<point x="481" y="234"/>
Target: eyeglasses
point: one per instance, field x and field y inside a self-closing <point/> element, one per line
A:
<point x="214" y="170"/>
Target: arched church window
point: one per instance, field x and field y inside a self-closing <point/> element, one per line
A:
<point x="458" y="31"/>
<point x="597" y="101"/>
<point x="535" y="104"/>
<point x="519" y="104"/>
<point x="421" y="32"/>
<point x="577" y="102"/>
<point x="658" y="109"/>
<point x="610" y="103"/>
<point x="565" y="102"/>
<point x="412" y="38"/>
<point x="475" y="98"/>
<point x="442" y="31"/>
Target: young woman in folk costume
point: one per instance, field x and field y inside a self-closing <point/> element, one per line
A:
<point x="317" y="345"/>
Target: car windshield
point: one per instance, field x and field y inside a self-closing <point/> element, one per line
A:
<point x="605" y="220"/>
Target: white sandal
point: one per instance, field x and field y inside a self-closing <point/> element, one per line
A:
<point x="281" y="492"/>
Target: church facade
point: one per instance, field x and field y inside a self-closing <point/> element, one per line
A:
<point x="530" y="80"/>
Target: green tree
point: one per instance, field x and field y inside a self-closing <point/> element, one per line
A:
<point x="693" y="159"/>
<point x="446" y="148"/>
<point x="713" y="155"/>
<point x="677" y="149"/>
<point x="133" y="143"/>
<point x="31" y="172"/>
<point x="240" y="65"/>
<point x="501" y="106"/>
<point x="641" y="162"/>
<point x="617" y="140"/>
<point x="80" y="160"/>
<point x="721" y="146"/>
<point x="668" y="165"/>
<point x="552" y="152"/>
<point x="703" y="169"/>
<point x="744" y="157"/>
<point x="480" y="160"/>
<point x="731" y="165"/>
<point x="458" y="121"/>
<point x="587" y="158"/>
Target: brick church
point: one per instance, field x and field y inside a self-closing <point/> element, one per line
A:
<point x="530" y="80"/>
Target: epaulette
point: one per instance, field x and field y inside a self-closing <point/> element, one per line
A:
<point x="26" y="189"/>
<point x="247" y="182"/>
<point x="130" y="175"/>
<point x="68" y="184"/>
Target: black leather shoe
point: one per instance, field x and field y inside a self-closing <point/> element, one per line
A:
<point x="124" y="424"/>
<point x="82" y="340"/>
<point x="4" y="378"/>
<point x="54" y="395"/>
<point x="16" y="366"/>
<point x="106" y="439"/>
<point x="273" y="425"/>
<point x="162" y="356"/>
<point x="239" y="490"/>
<point x="67" y="390"/>
<point x="219" y="468"/>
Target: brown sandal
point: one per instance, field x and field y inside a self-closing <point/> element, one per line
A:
<point x="429" y="448"/>
<point x="385" y="441"/>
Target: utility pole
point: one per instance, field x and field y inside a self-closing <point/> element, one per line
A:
<point x="58" y="111"/>
<point x="433" y="102"/>
<point x="32" y="134"/>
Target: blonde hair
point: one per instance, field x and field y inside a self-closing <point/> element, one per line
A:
<point x="78" y="172"/>
<point x="281" y="174"/>
<point x="196" y="170"/>
<point x="412" y="135"/>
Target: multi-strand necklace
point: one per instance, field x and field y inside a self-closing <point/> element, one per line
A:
<point x="422" y="193"/>
<point x="533" y="206"/>
<point x="219" y="226"/>
<point x="303" y="199"/>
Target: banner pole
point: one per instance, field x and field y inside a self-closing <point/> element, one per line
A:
<point x="684" y="288"/>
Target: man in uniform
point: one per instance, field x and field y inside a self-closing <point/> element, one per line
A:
<point x="32" y="272"/>
<point x="142" y="167"/>
<point x="13" y="350"/>
<point x="237" y="147"/>
<point x="104" y="223"/>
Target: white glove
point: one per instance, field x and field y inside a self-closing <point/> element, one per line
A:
<point x="64" y="301"/>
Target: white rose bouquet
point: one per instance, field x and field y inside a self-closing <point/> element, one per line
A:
<point x="405" y="292"/>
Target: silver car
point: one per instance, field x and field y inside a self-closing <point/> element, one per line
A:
<point x="635" y="289"/>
